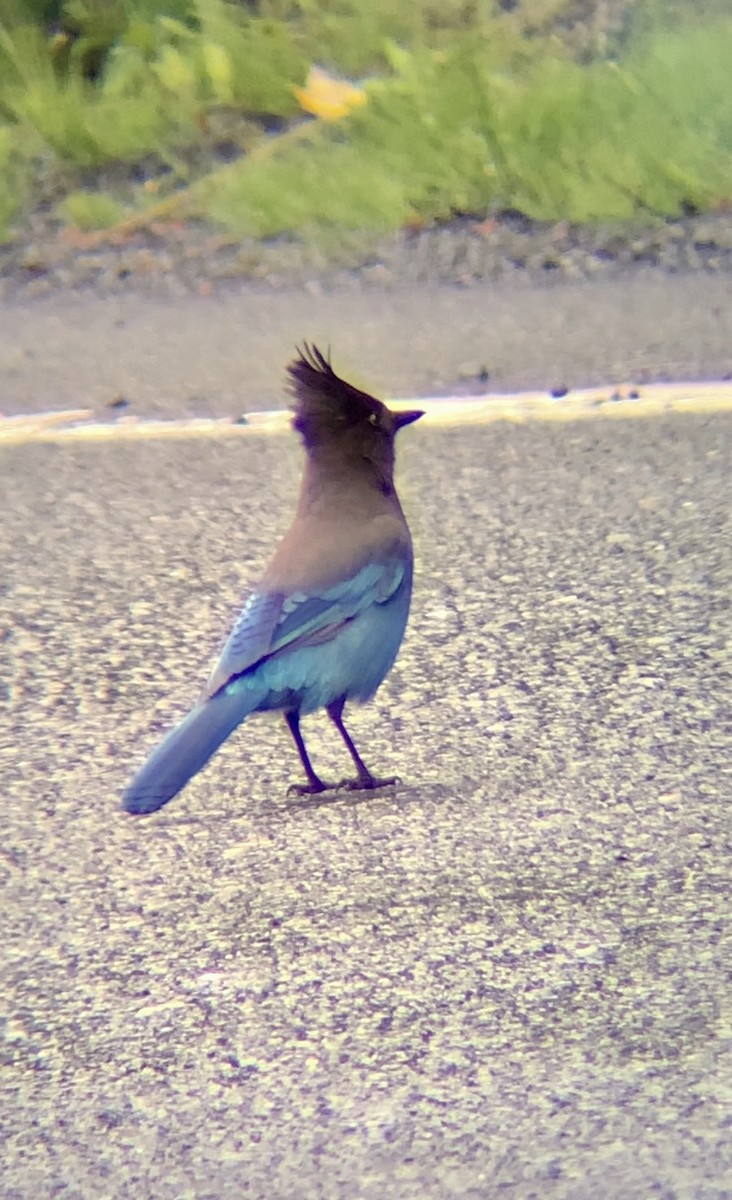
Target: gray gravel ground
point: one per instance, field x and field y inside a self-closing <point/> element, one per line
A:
<point x="510" y="975"/>
<point x="175" y="260"/>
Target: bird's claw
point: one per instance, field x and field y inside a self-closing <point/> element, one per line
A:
<point x="310" y="789"/>
<point x="367" y="783"/>
<point x="364" y="783"/>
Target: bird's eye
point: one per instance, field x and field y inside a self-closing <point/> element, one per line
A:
<point x="373" y="419"/>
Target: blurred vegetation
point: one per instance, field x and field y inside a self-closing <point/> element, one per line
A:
<point x="114" y="113"/>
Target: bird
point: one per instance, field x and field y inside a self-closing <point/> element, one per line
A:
<point x="324" y="623"/>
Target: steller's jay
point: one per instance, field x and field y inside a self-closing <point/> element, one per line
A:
<point x="326" y="620"/>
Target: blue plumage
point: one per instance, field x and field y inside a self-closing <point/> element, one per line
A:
<point x="325" y="624"/>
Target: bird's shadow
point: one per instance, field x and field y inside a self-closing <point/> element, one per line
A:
<point x="402" y="794"/>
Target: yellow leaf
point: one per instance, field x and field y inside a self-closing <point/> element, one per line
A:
<point x="328" y="98"/>
<point x="218" y="68"/>
<point x="174" y="71"/>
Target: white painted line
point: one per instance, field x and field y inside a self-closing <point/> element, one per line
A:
<point x="624" y="401"/>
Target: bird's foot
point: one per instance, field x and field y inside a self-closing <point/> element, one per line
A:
<point x="313" y="788"/>
<point x="367" y="783"/>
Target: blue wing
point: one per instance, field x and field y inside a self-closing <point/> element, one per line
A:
<point x="271" y="622"/>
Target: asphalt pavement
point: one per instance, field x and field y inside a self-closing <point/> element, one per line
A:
<point x="507" y="976"/>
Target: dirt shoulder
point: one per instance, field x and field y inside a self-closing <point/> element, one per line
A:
<point x="224" y="353"/>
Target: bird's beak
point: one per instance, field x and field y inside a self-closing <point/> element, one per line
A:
<point x="406" y="418"/>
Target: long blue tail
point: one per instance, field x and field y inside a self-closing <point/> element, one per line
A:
<point x="187" y="749"/>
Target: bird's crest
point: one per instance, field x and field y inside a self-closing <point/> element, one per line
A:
<point x="325" y="403"/>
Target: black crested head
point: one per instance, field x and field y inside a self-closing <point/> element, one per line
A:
<point x="326" y="405"/>
<point x="328" y="409"/>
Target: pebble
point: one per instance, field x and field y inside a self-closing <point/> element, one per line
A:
<point x="468" y="253"/>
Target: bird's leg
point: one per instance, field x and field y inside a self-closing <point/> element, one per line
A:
<point x="314" y="784"/>
<point x="365" y="781"/>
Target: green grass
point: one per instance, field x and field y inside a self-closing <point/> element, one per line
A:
<point x="651" y="137"/>
<point x="468" y="110"/>
<point x="91" y="210"/>
<point x="14" y="178"/>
